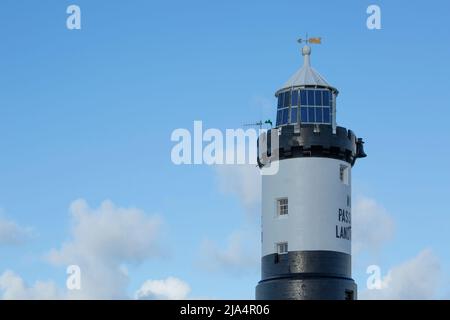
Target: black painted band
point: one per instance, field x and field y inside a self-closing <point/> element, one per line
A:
<point x="318" y="262"/>
<point x="315" y="141"/>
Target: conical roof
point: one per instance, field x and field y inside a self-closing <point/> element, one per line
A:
<point x="306" y="75"/>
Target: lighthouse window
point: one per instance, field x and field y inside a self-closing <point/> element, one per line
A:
<point x="315" y="106"/>
<point x="315" y="115"/>
<point x="294" y="98"/>
<point x="282" y="206"/>
<point x="326" y="98"/>
<point x="304" y="114"/>
<point x="303" y="100"/>
<point x="326" y="115"/>
<point x="294" y="115"/>
<point x="281" y="96"/>
<point x="279" y="114"/>
<point x="287" y="98"/>
<point x="282" y="101"/>
<point x="319" y="117"/>
<point x="282" y="248"/>
<point x="343" y="174"/>
<point x="311" y="115"/>
<point x="318" y="101"/>
<point x="310" y="98"/>
<point x="315" y="97"/>
<point x="285" y="116"/>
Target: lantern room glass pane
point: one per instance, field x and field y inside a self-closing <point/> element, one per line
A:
<point x="319" y="117"/>
<point x="311" y="115"/>
<point x="318" y="101"/>
<point x="287" y="99"/>
<point x="303" y="101"/>
<point x="294" y="115"/>
<point x="326" y="115"/>
<point x="285" y="116"/>
<point x="310" y="97"/>
<point x="279" y="114"/>
<point x="315" y="106"/>
<point x="294" y="98"/>
<point x="326" y="98"/>
<point x="304" y="114"/>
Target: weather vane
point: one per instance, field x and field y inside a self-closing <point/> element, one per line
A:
<point x="315" y="40"/>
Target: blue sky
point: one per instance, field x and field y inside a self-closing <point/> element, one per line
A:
<point x="89" y="113"/>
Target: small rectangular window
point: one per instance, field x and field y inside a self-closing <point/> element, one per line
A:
<point x="282" y="248"/>
<point x="282" y="206"/>
<point x="344" y="174"/>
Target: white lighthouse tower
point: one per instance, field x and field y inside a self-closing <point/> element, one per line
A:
<point x="306" y="205"/>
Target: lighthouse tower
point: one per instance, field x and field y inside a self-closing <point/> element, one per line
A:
<point x="306" y="205"/>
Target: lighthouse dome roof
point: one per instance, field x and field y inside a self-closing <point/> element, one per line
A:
<point x="306" y="75"/>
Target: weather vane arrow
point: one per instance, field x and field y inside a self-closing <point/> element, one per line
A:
<point x="314" y="40"/>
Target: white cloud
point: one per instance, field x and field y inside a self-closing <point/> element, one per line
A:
<point x="166" y="289"/>
<point x="240" y="180"/>
<point x="13" y="286"/>
<point x="103" y="240"/>
<point x="372" y="226"/>
<point x="240" y="256"/>
<point x="241" y="252"/>
<point x="417" y="278"/>
<point x="11" y="233"/>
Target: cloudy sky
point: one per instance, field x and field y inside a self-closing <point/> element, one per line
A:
<point x="86" y="117"/>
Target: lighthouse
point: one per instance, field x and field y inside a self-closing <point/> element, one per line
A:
<point x="306" y="204"/>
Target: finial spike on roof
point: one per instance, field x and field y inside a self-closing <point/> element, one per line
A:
<point x="306" y="52"/>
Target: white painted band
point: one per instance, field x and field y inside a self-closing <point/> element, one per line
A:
<point x="318" y="215"/>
